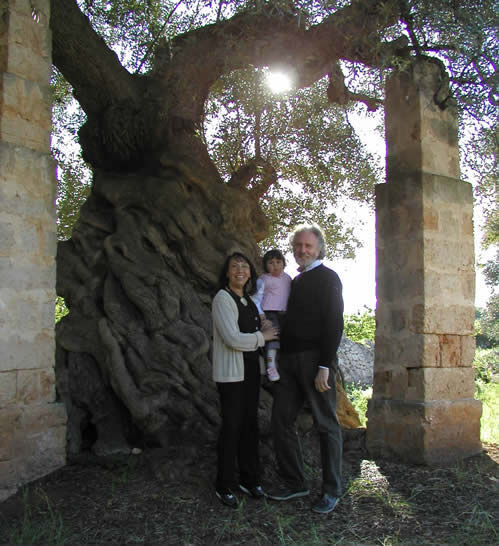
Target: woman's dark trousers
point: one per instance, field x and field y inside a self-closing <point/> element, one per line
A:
<point x="239" y="435"/>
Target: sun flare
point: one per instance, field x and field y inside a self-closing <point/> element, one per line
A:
<point x="278" y="82"/>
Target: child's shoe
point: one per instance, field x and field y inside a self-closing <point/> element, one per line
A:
<point x="273" y="374"/>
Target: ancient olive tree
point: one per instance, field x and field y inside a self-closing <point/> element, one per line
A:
<point x="168" y="201"/>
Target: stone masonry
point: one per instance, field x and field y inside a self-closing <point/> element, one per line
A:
<point x="32" y="424"/>
<point x="423" y="410"/>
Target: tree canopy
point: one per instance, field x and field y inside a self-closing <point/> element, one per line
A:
<point x="303" y="138"/>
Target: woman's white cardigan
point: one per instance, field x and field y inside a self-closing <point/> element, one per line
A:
<point x="228" y="342"/>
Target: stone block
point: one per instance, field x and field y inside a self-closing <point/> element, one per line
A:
<point x="23" y="132"/>
<point x="25" y="113"/>
<point x="28" y="175"/>
<point x="22" y="235"/>
<point x="40" y="322"/>
<point x="30" y="312"/>
<point x="437" y="319"/>
<point x="26" y="33"/>
<point x="35" y="386"/>
<point x="21" y="62"/>
<point x="453" y="287"/>
<point x="450" y="223"/>
<point x="8" y="385"/>
<point x="467" y="350"/>
<point x="47" y="385"/>
<point x="40" y="417"/>
<point x="449" y="254"/>
<point x="28" y="273"/>
<point x="467" y="225"/>
<point x="28" y="386"/>
<point x="424" y="433"/>
<point x="401" y="277"/>
<point x="28" y="238"/>
<point x="427" y="384"/>
<point x="427" y="139"/>
<point x="28" y="353"/>
<point x="23" y="7"/>
<point x="7" y="237"/>
<point x="408" y="350"/>
<point x="382" y="384"/>
<point x="41" y="453"/>
<point x="9" y="424"/>
<point x="431" y="219"/>
<point x="447" y="192"/>
<point x="392" y="351"/>
<point x="399" y="383"/>
<point x="450" y="351"/>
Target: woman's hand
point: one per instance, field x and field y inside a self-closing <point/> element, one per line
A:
<point x="269" y="332"/>
<point x="266" y="323"/>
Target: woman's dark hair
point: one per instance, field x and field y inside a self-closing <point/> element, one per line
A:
<point x="223" y="281"/>
<point x="274" y="253"/>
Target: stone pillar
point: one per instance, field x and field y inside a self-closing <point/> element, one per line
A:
<point x="32" y="425"/>
<point x="422" y="410"/>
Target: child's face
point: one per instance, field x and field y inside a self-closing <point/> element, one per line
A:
<point x="275" y="267"/>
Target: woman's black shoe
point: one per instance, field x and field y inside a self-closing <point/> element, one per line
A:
<point x="227" y="497"/>
<point x="257" y="492"/>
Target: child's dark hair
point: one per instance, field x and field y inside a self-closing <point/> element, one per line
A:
<point x="274" y="253"/>
<point x="250" y="286"/>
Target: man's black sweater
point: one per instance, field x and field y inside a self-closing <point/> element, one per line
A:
<point x="314" y="317"/>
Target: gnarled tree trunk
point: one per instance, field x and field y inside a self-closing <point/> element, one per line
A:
<point x="138" y="275"/>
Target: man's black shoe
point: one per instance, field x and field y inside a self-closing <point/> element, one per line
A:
<point x="227" y="497"/>
<point x="287" y="493"/>
<point x="257" y="492"/>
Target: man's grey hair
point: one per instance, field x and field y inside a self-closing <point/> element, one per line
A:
<point x="317" y="231"/>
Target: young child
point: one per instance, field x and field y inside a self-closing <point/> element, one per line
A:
<point x="271" y="300"/>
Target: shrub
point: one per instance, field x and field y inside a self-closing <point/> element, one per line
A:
<point x="60" y="309"/>
<point x="359" y="396"/>
<point x="360" y="327"/>
<point x="486" y="364"/>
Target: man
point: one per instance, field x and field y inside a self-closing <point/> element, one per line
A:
<point x="310" y="337"/>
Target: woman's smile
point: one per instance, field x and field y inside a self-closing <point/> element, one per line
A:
<point x="238" y="275"/>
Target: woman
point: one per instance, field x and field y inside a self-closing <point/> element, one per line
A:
<point x="236" y="369"/>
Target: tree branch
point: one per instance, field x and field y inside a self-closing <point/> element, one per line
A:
<point x="244" y="175"/>
<point x="90" y="66"/>
<point x="338" y="92"/>
<point x="201" y="56"/>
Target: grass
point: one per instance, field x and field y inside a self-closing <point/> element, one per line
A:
<point x="488" y="393"/>
<point x="384" y="503"/>
<point x="49" y="530"/>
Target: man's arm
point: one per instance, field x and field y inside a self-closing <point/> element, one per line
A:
<point x="332" y="320"/>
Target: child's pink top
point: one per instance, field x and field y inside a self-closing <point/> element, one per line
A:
<point x="273" y="292"/>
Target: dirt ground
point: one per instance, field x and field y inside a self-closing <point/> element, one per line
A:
<point x="167" y="497"/>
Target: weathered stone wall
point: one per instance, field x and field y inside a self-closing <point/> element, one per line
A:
<point x="423" y="408"/>
<point x="356" y="361"/>
<point x="32" y="425"/>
